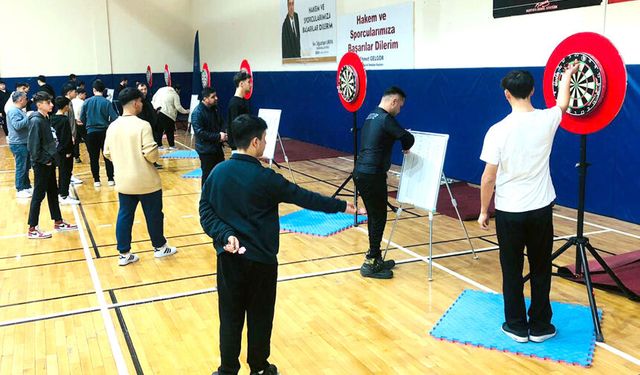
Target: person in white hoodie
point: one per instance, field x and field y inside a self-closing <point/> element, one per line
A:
<point x="167" y="99"/>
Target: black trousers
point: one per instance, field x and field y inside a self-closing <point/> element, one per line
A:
<point x="168" y="126"/>
<point x="95" y="146"/>
<point x="207" y="163"/>
<point x="533" y="229"/>
<point x="81" y="135"/>
<point x="373" y="190"/>
<point x="64" y="174"/>
<point x="245" y="287"/>
<point x="44" y="184"/>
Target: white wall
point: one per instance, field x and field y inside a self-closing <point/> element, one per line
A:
<point x="124" y="36"/>
<point x="448" y="33"/>
<point x="56" y="38"/>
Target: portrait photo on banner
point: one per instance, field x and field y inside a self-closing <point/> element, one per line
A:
<point x="308" y="31"/>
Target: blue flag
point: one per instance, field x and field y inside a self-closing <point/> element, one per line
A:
<point x="196" y="80"/>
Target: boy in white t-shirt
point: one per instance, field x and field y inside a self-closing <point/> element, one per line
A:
<point x="517" y="151"/>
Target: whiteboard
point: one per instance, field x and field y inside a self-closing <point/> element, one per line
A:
<point x="110" y="93"/>
<point x="272" y="118"/>
<point x="422" y="170"/>
<point x="192" y="106"/>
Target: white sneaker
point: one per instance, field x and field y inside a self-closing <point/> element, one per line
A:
<point x="164" y="251"/>
<point x="172" y="148"/>
<point x="76" y="181"/>
<point x="24" y="194"/>
<point x="124" y="259"/>
<point x="111" y="183"/>
<point x="30" y="190"/>
<point x="97" y="184"/>
<point x="68" y="200"/>
<point x="161" y="148"/>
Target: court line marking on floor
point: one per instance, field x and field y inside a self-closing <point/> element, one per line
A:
<point x="611" y="349"/>
<point x="600" y="226"/>
<point x="102" y="303"/>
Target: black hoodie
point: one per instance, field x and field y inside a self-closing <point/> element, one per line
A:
<point x="42" y="140"/>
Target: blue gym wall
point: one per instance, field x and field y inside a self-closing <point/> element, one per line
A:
<point x="463" y="103"/>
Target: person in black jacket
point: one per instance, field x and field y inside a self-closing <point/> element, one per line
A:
<point x="207" y="125"/>
<point x="44" y="86"/>
<point x="150" y="115"/>
<point x="379" y="133"/>
<point x="239" y="211"/>
<point x="4" y="98"/>
<point x="43" y="153"/>
<point x="238" y="105"/>
<point x="60" y="123"/>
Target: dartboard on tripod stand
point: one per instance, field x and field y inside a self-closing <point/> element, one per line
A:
<point x="348" y="84"/>
<point x="351" y="82"/>
<point x="587" y="86"/>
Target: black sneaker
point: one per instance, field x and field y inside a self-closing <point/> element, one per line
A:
<point x="375" y="268"/>
<point x="271" y="370"/>
<point x="543" y="334"/>
<point x="520" y="336"/>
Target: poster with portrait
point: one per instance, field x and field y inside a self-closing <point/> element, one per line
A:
<point x="308" y="31"/>
<point x="506" y="8"/>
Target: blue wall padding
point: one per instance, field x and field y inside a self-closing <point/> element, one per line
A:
<point x="463" y="103"/>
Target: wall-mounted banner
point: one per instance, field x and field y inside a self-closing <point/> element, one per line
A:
<point x="308" y="30"/>
<point x="506" y="8"/>
<point x="619" y="1"/>
<point x="382" y="37"/>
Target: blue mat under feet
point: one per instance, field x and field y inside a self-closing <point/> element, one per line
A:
<point x="193" y="174"/>
<point x="181" y="154"/>
<point x="476" y="317"/>
<point x="317" y="223"/>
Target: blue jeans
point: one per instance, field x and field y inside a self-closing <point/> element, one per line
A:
<point x="23" y="164"/>
<point x="152" y="208"/>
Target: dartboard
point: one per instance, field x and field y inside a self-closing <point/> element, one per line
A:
<point x="587" y="86"/>
<point x="348" y="83"/>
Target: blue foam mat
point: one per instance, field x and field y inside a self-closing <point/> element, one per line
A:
<point x="181" y="154"/>
<point x="317" y="223"/>
<point x="476" y="317"/>
<point x="197" y="173"/>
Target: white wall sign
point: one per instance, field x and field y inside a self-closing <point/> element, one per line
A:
<point x="382" y="37"/>
<point x="308" y="30"/>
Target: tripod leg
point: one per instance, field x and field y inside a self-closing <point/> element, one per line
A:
<point x="557" y="253"/>
<point x="609" y="271"/>
<point x="430" y="245"/>
<point x="592" y="298"/>
<point x="342" y="186"/>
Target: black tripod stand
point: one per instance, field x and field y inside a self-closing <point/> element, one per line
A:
<point x="582" y="245"/>
<point x="354" y="130"/>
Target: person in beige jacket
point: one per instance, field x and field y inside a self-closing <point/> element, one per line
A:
<point x="168" y="100"/>
<point x="130" y="146"/>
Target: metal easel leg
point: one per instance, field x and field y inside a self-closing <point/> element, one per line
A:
<point x="393" y="229"/>
<point x="455" y="207"/>
<point x="430" y="245"/>
<point x="286" y="159"/>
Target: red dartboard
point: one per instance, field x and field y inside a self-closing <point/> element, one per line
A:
<point x="167" y="75"/>
<point x="149" y="76"/>
<point x="205" y="76"/>
<point x="351" y="82"/>
<point x="597" y="89"/>
<point x="247" y="68"/>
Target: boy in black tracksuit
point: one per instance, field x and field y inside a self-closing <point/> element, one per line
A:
<point x="239" y="210"/>
<point x="43" y="153"/>
<point x="379" y="132"/>
<point x="60" y="122"/>
<point x="207" y="123"/>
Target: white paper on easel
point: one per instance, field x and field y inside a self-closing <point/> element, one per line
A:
<point x="422" y="170"/>
<point x="272" y="118"/>
<point x="192" y="106"/>
<point x="110" y="93"/>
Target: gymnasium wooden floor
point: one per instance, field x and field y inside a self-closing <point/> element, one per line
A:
<point x="66" y="307"/>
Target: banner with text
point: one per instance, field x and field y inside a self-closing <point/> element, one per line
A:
<point x="308" y="30"/>
<point x="506" y="8"/>
<point x="382" y="37"/>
